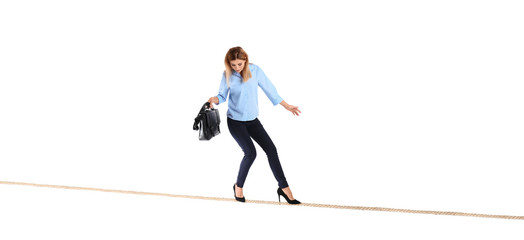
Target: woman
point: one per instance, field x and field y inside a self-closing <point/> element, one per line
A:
<point x="241" y="80"/>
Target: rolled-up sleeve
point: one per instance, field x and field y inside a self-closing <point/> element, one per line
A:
<point x="268" y="87"/>
<point x="223" y="90"/>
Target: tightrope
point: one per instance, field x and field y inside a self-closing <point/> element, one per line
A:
<point x="380" y="209"/>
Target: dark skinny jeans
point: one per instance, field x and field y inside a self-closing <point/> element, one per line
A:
<point x="242" y="132"/>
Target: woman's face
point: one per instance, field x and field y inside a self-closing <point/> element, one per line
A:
<point x="237" y="65"/>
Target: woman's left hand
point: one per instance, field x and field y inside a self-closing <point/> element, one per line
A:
<point x="294" y="110"/>
<point x="291" y="108"/>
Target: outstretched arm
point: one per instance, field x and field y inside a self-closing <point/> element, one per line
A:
<point x="291" y="108"/>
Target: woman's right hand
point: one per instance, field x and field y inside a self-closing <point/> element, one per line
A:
<point x="212" y="100"/>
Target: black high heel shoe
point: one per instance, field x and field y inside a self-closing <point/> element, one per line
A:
<point x="281" y="193"/>
<point x="242" y="199"/>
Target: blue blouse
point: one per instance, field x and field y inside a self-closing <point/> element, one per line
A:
<point x="243" y="96"/>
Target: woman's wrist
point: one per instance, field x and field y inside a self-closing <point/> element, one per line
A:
<point x="284" y="104"/>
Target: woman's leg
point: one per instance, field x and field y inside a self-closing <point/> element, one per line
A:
<point x="259" y="134"/>
<point x="240" y="133"/>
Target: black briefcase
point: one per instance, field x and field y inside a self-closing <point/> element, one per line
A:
<point x="207" y="122"/>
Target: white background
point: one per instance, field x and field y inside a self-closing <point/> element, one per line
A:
<point x="406" y="104"/>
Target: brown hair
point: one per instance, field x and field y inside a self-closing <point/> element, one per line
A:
<point x="234" y="54"/>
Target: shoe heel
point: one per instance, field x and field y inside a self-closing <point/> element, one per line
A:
<point x="242" y="199"/>
<point x="280" y="192"/>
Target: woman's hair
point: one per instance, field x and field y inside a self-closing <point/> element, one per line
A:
<point x="234" y="54"/>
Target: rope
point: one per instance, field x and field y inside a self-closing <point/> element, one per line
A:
<point x="380" y="209"/>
